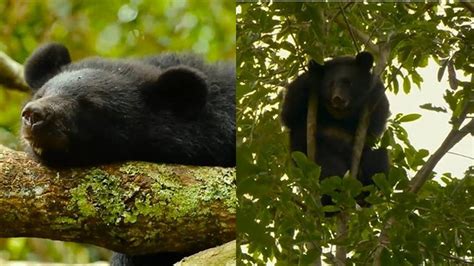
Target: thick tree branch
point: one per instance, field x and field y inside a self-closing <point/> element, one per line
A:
<point x="11" y="74"/>
<point x="221" y="255"/>
<point x="469" y="6"/>
<point x="311" y="151"/>
<point x="423" y="175"/>
<point x="311" y="125"/>
<point x="134" y="207"/>
<point x="453" y="137"/>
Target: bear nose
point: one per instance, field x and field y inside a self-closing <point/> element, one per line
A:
<point x="33" y="115"/>
<point x="339" y="102"/>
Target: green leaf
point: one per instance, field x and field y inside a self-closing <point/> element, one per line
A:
<point x="309" y="168"/>
<point x="288" y="46"/>
<point x="442" y="69"/>
<point x="382" y="184"/>
<point x="331" y="208"/>
<point x="351" y="185"/>
<point x="330" y="184"/>
<point x="424" y="61"/>
<point x="395" y="86"/>
<point x="453" y="82"/>
<point x="406" y="85"/>
<point x="409" y="118"/>
<point x="431" y="107"/>
<point x="417" y="79"/>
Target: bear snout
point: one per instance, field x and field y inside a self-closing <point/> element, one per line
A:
<point x="34" y="116"/>
<point x="339" y="102"/>
<point x="42" y="129"/>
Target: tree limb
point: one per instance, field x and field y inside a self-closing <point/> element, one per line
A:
<point x="469" y="6"/>
<point x="423" y="175"/>
<point x="132" y="207"/>
<point x="218" y="256"/>
<point x="311" y="150"/>
<point x="311" y="125"/>
<point x="11" y="74"/>
<point x="342" y="230"/>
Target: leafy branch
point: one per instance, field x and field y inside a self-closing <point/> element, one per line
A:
<point x="423" y="175"/>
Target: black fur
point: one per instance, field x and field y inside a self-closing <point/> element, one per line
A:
<point x="344" y="86"/>
<point x="171" y="108"/>
<point x="168" y="108"/>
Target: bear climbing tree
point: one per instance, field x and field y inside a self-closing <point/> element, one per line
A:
<point x="344" y="87"/>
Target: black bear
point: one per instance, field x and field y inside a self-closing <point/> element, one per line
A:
<point x="171" y="108"/>
<point x="344" y="86"/>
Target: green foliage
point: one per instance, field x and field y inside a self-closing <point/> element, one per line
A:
<point x="35" y="249"/>
<point x="280" y="217"/>
<point x="112" y="28"/>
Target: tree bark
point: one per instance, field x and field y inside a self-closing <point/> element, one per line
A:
<point x="132" y="207"/>
<point x="223" y="255"/>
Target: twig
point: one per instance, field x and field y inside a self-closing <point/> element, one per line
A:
<point x="349" y="28"/>
<point x="461" y="155"/>
<point x="298" y="48"/>
<point x="339" y="11"/>
<point x="382" y="50"/>
<point x="362" y="36"/>
<point x="449" y="256"/>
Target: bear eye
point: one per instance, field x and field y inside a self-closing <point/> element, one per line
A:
<point x="38" y="95"/>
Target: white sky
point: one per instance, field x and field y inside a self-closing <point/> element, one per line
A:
<point x="430" y="130"/>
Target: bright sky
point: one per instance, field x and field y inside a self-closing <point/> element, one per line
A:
<point x="430" y="130"/>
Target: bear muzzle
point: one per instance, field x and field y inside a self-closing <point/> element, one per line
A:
<point x="33" y="116"/>
<point x="40" y="130"/>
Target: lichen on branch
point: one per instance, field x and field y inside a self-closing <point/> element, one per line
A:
<point x="132" y="207"/>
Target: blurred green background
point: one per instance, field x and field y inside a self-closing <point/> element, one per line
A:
<point x="110" y="28"/>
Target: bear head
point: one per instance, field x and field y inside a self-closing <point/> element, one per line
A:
<point x="97" y="110"/>
<point x="344" y="83"/>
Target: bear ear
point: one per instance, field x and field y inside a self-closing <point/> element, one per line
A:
<point x="181" y="89"/>
<point x="44" y="63"/>
<point x="365" y="60"/>
<point x="313" y="66"/>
